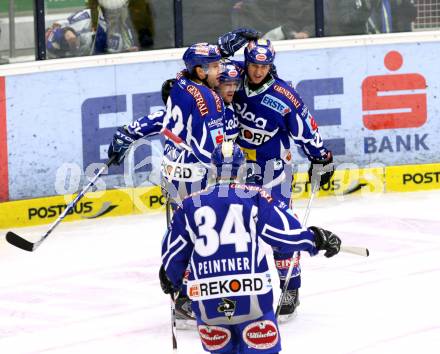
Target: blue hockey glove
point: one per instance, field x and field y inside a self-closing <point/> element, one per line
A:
<point x="230" y="42"/>
<point x="165" y="283"/>
<point x="321" y="169"/>
<point x="326" y="241"/>
<point x="120" y="144"/>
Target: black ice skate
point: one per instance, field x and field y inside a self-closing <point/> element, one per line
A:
<point x="289" y="305"/>
<point x="185" y="317"/>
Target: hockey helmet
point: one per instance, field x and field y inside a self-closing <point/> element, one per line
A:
<point x="227" y="159"/>
<point x="259" y="51"/>
<point x="230" y="72"/>
<point x="200" y="54"/>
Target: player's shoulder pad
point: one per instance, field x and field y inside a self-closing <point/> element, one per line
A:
<point x="206" y="100"/>
<point x="190" y="196"/>
<point x="287" y="94"/>
<point x="251" y="187"/>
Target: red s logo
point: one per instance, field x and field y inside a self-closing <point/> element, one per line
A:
<point x="394" y="101"/>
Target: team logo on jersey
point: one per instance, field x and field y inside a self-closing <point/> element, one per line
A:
<point x="217" y="135"/>
<point x="214" y="337"/>
<point x="200" y="100"/>
<point x="215" y="123"/>
<point x="275" y="104"/>
<point x="258" y="121"/>
<point x="229" y="285"/>
<point x="227" y="307"/>
<point x="261" y="335"/>
<point x="288" y="94"/>
<point x="255" y="136"/>
<point x="311" y="122"/>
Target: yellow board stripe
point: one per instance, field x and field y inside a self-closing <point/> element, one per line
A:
<point x="406" y="178"/>
<point x="93" y="205"/>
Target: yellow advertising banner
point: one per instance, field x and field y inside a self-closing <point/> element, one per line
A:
<point x="344" y="182"/>
<point x="93" y="205"/>
<point x="409" y="178"/>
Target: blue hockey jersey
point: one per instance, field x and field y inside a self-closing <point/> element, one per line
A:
<point x="217" y="233"/>
<point x="268" y="118"/>
<point x="231" y="123"/>
<point x="198" y="116"/>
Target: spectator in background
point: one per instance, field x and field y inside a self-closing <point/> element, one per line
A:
<point x="138" y="16"/>
<point x="389" y="16"/>
<point x="346" y="17"/>
<point x="277" y="19"/>
<point x="120" y="34"/>
<point x="72" y="37"/>
<point x="349" y="17"/>
<point x="204" y="20"/>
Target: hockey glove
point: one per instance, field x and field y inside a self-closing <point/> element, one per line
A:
<point x="120" y="144"/>
<point x="321" y="169"/>
<point x="326" y="241"/>
<point x="165" y="282"/>
<point x="231" y="42"/>
<point x="166" y="88"/>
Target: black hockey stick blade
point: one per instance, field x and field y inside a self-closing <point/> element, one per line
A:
<point x="19" y="241"/>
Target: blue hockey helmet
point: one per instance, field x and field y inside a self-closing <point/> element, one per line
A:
<point x="259" y="51"/>
<point x="227" y="158"/>
<point x="200" y="54"/>
<point x="230" y="72"/>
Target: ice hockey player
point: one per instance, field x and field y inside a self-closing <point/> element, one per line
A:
<point x="217" y="232"/>
<point x="194" y="113"/>
<point x="271" y="113"/>
<point x="230" y="80"/>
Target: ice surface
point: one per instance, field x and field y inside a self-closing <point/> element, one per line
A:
<point x="92" y="286"/>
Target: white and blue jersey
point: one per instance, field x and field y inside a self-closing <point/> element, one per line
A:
<point x="195" y="113"/>
<point x="217" y="232"/>
<point x="231" y="123"/>
<point x="269" y="117"/>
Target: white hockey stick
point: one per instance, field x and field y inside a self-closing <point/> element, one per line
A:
<point x="359" y="251"/>
<point x="315" y="188"/>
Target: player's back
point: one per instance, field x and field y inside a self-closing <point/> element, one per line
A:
<point x="227" y="262"/>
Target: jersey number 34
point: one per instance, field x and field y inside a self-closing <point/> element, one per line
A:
<point x="232" y="231"/>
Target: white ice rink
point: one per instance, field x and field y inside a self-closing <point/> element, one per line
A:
<point x="92" y="286"/>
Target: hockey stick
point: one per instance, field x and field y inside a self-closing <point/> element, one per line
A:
<point x="26" y="245"/>
<point x="20" y="242"/>
<point x="173" y="321"/>
<point x="315" y="188"/>
<point x="359" y="251"/>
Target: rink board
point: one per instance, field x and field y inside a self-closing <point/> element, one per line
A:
<point x="375" y="103"/>
<point x="346" y="181"/>
<point x="93" y="205"/>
